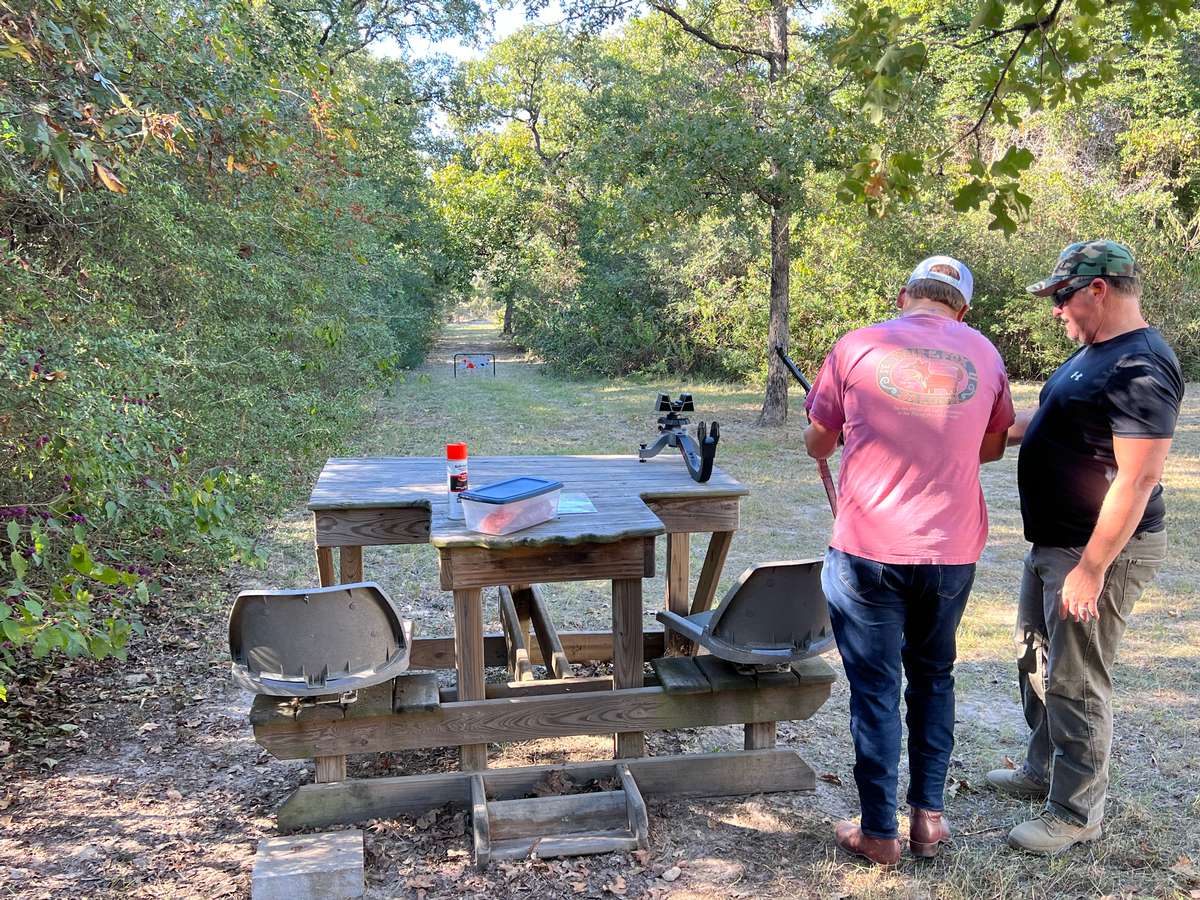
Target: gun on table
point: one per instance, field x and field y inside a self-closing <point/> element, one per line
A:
<point x="822" y="464"/>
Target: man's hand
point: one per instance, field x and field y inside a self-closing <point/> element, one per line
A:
<point x="1080" y="593"/>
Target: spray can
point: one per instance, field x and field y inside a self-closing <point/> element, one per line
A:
<point x="456" y="476"/>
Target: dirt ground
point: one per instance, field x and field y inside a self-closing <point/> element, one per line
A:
<point x="155" y="787"/>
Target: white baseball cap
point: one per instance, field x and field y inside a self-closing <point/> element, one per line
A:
<point x="948" y="270"/>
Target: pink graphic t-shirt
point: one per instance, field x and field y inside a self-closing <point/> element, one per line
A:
<point x="913" y="398"/>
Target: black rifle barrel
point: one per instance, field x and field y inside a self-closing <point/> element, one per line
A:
<point x="794" y="369"/>
<point x="822" y="464"/>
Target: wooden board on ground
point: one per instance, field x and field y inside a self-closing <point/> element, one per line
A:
<point x="698" y="775"/>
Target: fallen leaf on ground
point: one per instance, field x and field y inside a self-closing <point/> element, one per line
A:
<point x="1183" y="866"/>
<point x="954" y="785"/>
<point x="1008" y="763"/>
<point x="831" y="777"/>
<point x="556" y="781"/>
<point x="147" y="727"/>
<point x="616" y="886"/>
<point x="579" y="886"/>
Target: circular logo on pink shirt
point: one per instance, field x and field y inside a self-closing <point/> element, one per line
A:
<point x="927" y="377"/>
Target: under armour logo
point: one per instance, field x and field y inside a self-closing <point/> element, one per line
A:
<point x="1075" y="376"/>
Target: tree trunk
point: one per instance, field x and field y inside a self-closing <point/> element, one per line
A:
<point x="508" y="305"/>
<point x="775" y="403"/>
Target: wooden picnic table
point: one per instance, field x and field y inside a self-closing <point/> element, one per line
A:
<point x="361" y="502"/>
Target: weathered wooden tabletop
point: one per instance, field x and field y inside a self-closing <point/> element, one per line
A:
<point x="616" y="485"/>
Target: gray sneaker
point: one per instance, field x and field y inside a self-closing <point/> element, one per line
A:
<point x="1050" y="835"/>
<point x="1016" y="783"/>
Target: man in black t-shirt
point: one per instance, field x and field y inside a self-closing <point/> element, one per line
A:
<point x="1088" y="474"/>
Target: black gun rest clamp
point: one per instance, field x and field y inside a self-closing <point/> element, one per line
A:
<point x="698" y="453"/>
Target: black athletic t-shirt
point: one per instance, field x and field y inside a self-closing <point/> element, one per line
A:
<point x="1128" y="386"/>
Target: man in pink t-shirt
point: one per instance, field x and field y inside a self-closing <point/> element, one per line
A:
<point x="920" y="402"/>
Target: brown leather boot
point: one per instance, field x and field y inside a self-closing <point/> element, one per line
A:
<point x="927" y="831"/>
<point x="882" y="851"/>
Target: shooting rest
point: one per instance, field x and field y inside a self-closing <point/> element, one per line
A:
<point x="775" y="615"/>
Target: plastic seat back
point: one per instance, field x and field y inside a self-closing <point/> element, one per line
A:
<point x="776" y="605"/>
<point x="315" y="641"/>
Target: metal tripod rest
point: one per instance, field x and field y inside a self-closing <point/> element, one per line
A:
<point x="699" y="453"/>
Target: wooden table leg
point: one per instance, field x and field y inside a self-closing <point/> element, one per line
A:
<point x="325" y="566"/>
<point x="710" y="572"/>
<point x="760" y="735"/>
<point x="678" y="550"/>
<point x="352" y="565"/>
<point x="329" y="768"/>
<point x="628" y="653"/>
<point x="468" y="660"/>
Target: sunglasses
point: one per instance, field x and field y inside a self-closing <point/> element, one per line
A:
<point x="1062" y="296"/>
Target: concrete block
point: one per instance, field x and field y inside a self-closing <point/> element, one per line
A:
<point x="326" y="866"/>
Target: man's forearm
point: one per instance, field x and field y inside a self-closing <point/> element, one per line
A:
<point x="820" y="442"/>
<point x="1016" y="433"/>
<point x="1120" y="513"/>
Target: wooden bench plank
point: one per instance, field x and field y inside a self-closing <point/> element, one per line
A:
<point x="723" y="675"/>
<point x="814" y="670"/>
<point x="538" y="687"/>
<point x="528" y="718"/>
<point x="680" y="675"/>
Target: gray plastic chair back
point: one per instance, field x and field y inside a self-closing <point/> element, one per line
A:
<point x="775" y="613"/>
<point x="316" y="641"/>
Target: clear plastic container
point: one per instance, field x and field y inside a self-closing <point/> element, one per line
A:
<point x="508" y="506"/>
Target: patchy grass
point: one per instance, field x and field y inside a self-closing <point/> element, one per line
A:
<point x="1155" y="795"/>
<point x="779" y="845"/>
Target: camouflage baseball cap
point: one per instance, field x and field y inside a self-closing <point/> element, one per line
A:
<point x="1087" y="259"/>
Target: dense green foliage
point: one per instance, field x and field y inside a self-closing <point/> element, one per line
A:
<point x="638" y="163"/>
<point x="224" y="225"/>
<point x="215" y="246"/>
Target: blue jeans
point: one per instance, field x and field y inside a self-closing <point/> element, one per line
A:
<point x="886" y="616"/>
